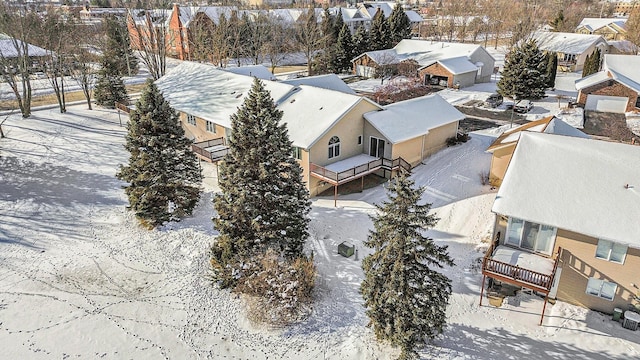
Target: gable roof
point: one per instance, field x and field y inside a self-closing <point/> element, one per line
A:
<point x="624" y="68"/>
<point x="213" y="94"/>
<point x="259" y="71"/>
<point x="8" y="50"/>
<point x="574" y="184"/>
<point x="459" y="65"/>
<point x="408" y="119"/>
<point x="567" y="43"/>
<point x="593" y="79"/>
<point x="548" y="125"/>
<point x="593" y="24"/>
<point x="328" y="81"/>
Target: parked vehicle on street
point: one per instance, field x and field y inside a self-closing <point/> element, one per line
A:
<point x="493" y="101"/>
<point x="523" y="106"/>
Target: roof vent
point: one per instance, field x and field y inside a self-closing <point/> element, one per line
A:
<point x="320" y="108"/>
<point x="292" y="101"/>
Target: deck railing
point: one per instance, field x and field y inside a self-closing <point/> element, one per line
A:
<point x="521" y="276"/>
<point x="349" y="174"/>
<point x="200" y="148"/>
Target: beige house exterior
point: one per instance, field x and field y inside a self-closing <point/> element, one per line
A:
<point x="574" y="239"/>
<point x="331" y="132"/>
<point x="503" y="147"/>
<point x="608" y="28"/>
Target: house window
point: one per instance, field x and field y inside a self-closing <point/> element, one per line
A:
<point x="191" y="119"/>
<point x="610" y="251"/>
<point x="531" y="236"/>
<point x="334" y="147"/>
<point x="359" y="139"/>
<point x="602" y="288"/>
<point x="638" y="101"/>
<point x="297" y="153"/>
<point x="211" y="127"/>
<point x="569" y="58"/>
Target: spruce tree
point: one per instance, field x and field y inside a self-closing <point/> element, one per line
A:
<point x="163" y="173"/>
<point x="264" y="203"/>
<point x="405" y="297"/>
<point x="109" y="87"/>
<point x="118" y="48"/>
<point x="591" y="64"/>
<point x="360" y="41"/>
<point x="380" y="34"/>
<point x="344" y="50"/>
<point x="524" y="74"/>
<point x="552" y="69"/>
<point x="399" y="25"/>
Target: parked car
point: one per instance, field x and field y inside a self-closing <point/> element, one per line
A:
<point x="493" y="101"/>
<point x="523" y="106"/>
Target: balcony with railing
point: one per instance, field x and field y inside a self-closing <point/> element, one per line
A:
<point x="336" y="175"/>
<point x="211" y="150"/>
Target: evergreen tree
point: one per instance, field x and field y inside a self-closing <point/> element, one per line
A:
<point x="380" y="34"/>
<point x="109" y="87"/>
<point x="552" y="69"/>
<point x="264" y="203"/>
<point x="163" y="173"/>
<point x="344" y="50"/>
<point x="399" y="25"/>
<point x="337" y="24"/>
<point x="405" y="297"/>
<point x="360" y="41"/>
<point x="118" y="48"/>
<point x="591" y="64"/>
<point x="324" y="63"/>
<point x="557" y="24"/>
<point x="524" y="74"/>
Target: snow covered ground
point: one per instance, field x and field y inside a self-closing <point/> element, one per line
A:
<point x="80" y="279"/>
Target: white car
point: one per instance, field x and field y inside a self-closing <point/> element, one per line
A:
<point x="523" y="106"/>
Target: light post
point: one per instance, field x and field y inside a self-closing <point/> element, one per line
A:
<point x="513" y="108"/>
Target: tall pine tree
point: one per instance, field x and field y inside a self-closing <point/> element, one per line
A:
<point x="591" y="64"/>
<point x="264" y="203"/>
<point x="360" y="41"/>
<point x="406" y="298"/>
<point x="399" y="25"/>
<point x="109" y="87"/>
<point x="524" y="74"/>
<point x="163" y="173"/>
<point x="344" y="50"/>
<point x="552" y="69"/>
<point x="118" y="48"/>
<point x="380" y="34"/>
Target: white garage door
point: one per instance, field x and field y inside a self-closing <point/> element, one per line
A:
<point x="365" y="71"/>
<point x="614" y="104"/>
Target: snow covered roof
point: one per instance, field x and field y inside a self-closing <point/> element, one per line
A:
<point x="593" y="24"/>
<point x="591" y="80"/>
<point x="8" y="50"/>
<point x="459" y="65"/>
<point x="548" y="125"/>
<point x="568" y="43"/>
<point x="408" y="119"/>
<point x="328" y="81"/>
<point x="587" y="186"/>
<point x="623" y="46"/>
<point x="624" y="68"/>
<point x="413" y="16"/>
<point x="424" y="52"/>
<point x="259" y="71"/>
<point x="213" y="94"/>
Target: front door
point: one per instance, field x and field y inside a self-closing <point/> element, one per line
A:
<point x="376" y="147"/>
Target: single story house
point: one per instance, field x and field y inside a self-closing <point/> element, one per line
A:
<point x="609" y="28"/>
<point x="259" y="71"/>
<point x="614" y="89"/>
<point x="567" y="221"/>
<point x="448" y="64"/>
<point x="572" y="49"/>
<point x="332" y="136"/>
<point x="10" y="56"/>
<point x="503" y="147"/>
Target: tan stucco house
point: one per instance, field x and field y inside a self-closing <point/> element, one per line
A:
<point x="504" y="145"/>
<point x="572" y="49"/>
<point x="337" y="136"/>
<point x="567" y="221"/>
<point x="608" y="28"/>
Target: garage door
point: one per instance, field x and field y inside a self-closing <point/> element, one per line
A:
<point x="365" y="71"/>
<point x="614" y="104"/>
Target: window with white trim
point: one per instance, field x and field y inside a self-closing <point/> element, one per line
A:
<point x="211" y="127"/>
<point x="297" y="153"/>
<point x="531" y="236"/>
<point x="611" y="251"/>
<point x="334" y="147"/>
<point x="602" y="288"/>
<point x="191" y="119"/>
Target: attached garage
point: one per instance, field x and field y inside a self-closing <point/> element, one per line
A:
<point x="603" y="103"/>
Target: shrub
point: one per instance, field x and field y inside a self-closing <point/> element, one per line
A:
<point x="279" y="289"/>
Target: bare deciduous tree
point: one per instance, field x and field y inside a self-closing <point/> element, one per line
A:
<point x="150" y="35"/>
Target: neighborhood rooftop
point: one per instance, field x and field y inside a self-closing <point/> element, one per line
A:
<point x="548" y="125"/>
<point x="328" y="81"/>
<point x="624" y="68"/>
<point x="413" y="115"/>
<point x="568" y="43"/>
<point x="593" y="24"/>
<point x="587" y="186"/>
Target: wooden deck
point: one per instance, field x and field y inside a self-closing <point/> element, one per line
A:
<point x="211" y="150"/>
<point x="338" y="178"/>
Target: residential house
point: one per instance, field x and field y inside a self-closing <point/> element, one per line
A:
<point x="259" y="71"/>
<point x="567" y="221"/>
<point x="503" y="147"/>
<point x="572" y="49"/>
<point x="608" y="28"/>
<point x="614" y="89"/>
<point x="337" y="136"/>
<point x="448" y="64"/>
<point x="9" y="55"/>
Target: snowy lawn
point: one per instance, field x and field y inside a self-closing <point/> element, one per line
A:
<point x="80" y="279"/>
